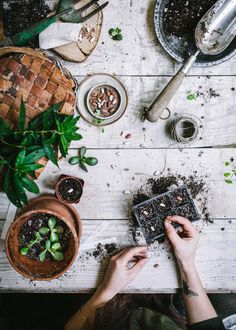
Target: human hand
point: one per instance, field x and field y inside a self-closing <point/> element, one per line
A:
<point x="184" y="243"/>
<point x="122" y="269"/>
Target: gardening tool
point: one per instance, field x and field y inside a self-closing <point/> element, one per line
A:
<point x="213" y="34"/>
<point x="68" y="11"/>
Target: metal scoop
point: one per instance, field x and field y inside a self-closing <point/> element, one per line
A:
<point x="213" y="34"/>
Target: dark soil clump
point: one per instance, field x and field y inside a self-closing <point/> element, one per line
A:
<point x="182" y="16"/>
<point x="70" y="190"/>
<point x="33" y="225"/>
<point x="18" y="15"/>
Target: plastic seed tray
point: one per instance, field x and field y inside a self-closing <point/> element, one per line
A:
<point x="151" y="214"/>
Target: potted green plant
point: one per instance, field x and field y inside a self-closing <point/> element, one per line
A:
<point x="22" y="149"/>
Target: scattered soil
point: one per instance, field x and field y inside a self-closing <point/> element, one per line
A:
<point x="151" y="214"/>
<point x="18" y="15"/>
<point x="182" y="16"/>
<point x="31" y="226"/>
<point x="70" y="190"/>
<point x="104" y="101"/>
<point x="102" y="251"/>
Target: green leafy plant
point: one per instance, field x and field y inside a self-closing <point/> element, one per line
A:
<point x="53" y="249"/>
<point x="230" y="173"/>
<point x="53" y="229"/>
<point x="20" y="149"/>
<point x="115" y="33"/>
<point x="191" y="95"/>
<point x="25" y="249"/>
<point x="82" y="160"/>
<point x="52" y="245"/>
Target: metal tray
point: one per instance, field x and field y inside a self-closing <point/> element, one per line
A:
<point x="157" y="213"/>
<point x="178" y="49"/>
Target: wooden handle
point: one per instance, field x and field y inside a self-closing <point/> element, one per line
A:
<point x="161" y="102"/>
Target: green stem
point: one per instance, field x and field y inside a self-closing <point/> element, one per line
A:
<point x="39" y="132"/>
<point x="11" y="145"/>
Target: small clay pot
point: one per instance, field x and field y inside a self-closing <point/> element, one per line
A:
<point x="70" y="183"/>
<point x="47" y="270"/>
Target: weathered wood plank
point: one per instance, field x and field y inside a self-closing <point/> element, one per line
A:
<point x="215" y="262"/>
<point x="217" y="114"/>
<point x="139" y="53"/>
<point x="120" y="172"/>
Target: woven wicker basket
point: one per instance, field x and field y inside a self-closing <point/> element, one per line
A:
<point x="39" y="79"/>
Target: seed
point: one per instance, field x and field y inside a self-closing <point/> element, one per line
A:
<point x="145" y="212"/>
<point x="128" y="136"/>
<point x="156" y="265"/>
<point x="111" y="98"/>
<point x="102" y="90"/>
<point x="114" y="102"/>
<point x="70" y="190"/>
<point x="152" y="228"/>
<point x="162" y="205"/>
<point x="179" y="198"/>
<point x="126" y="192"/>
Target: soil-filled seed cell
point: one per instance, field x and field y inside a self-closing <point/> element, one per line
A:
<point x="162" y="204"/>
<point x="179" y="197"/>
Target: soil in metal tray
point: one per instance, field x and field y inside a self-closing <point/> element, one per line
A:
<point x="182" y="16"/>
<point x="33" y="225"/>
<point x="152" y="213"/>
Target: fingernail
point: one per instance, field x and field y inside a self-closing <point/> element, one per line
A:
<point x="167" y="224"/>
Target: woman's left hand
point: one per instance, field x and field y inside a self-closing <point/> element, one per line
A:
<point x="122" y="269"/>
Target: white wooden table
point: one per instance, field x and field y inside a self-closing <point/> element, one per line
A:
<point x="144" y="68"/>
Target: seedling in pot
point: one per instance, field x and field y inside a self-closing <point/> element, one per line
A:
<point x="82" y="160"/>
<point x="52" y="229"/>
<point x="53" y="249"/>
<point x="25" y="249"/>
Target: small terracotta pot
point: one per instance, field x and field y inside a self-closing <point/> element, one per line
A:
<point x="47" y="270"/>
<point x="60" y="181"/>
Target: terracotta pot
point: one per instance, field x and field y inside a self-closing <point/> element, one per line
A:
<point x="60" y="181"/>
<point x="47" y="270"/>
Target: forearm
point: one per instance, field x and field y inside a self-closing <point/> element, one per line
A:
<point x="198" y="305"/>
<point x="86" y="313"/>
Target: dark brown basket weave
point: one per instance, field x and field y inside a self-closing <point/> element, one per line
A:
<point x="30" y="74"/>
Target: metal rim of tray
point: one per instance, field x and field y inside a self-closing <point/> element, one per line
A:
<point x="203" y="60"/>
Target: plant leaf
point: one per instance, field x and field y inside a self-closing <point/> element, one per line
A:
<point x="82" y="151"/>
<point x="58" y="256"/>
<point x="37" y="235"/>
<point x="20" y="158"/>
<point x="30" y="185"/>
<point x="65" y="145"/>
<point x="83" y="167"/>
<point x="19" y="190"/>
<point x="30" y="168"/>
<point x="56" y="246"/>
<point x="4" y="128"/>
<point x="24" y="250"/>
<point x="42" y="255"/>
<point x="91" y="161"/>
<point x="44" y="230"/>
<point x="48" y="244"/>
<point x="227" y="163"/>
<point x="74" y="160"/>
<point x="52" y="222"/>
<point x="229" y="181"/>
<point x="9" y="188"/>
<point x="21" y="119"/>
<point x="34" y="156"/>
<point x="53" y="237"/>
<point x="50" y="153"/>
<point x="227" y="174"/>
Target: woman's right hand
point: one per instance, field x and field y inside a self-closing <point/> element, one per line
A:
<point x="184" y="243"/>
